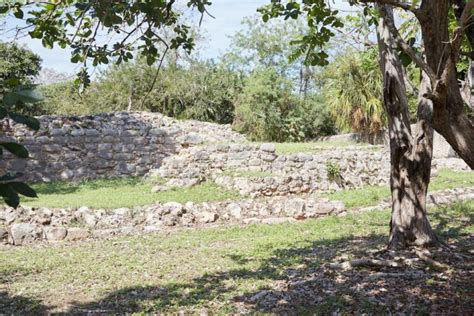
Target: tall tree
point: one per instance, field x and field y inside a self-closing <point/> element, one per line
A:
<point x="440" y="104"/>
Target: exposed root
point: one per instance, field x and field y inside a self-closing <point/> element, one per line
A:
<point x="425" y="256"/>
<point x="365" y="262"/>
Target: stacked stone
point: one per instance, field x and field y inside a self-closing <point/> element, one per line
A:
<point x="104" y="145"/>
<point x="293" y="174"/>
<point x="28" y="225"/>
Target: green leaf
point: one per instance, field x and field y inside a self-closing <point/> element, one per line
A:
<point x="150" y="59"/>
<point x="75" y="58"/>
<point x="16" y="149"/>
<point x="23" y="189"/>
<point x="18" y="13"/>
<point x="47" y="42"/>
<point x="3" y="112"/>
<point x="405" y="59"/>
<point x="9" y="195"/>
<point x="29" y="121"/>
<point x="22" y="94"/>
<point x="9" y="177"/>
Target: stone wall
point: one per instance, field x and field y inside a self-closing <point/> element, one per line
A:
<point x="288" y="174"/>
<point x="441" y="148"/>
<point x="105" y="145"/>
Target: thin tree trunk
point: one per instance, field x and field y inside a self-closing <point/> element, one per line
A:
<point x="410" y="156"/>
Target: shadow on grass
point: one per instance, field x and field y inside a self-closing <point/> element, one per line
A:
<point x="298" y="281"/>
<point x="20" y="305"/>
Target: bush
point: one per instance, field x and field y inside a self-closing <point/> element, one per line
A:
<point x="62" y="98"/>
<point x="202" y="91"/>
<point x="268" y="110"/>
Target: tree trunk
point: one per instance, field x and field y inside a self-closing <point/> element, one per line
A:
<point x="410" y="156"/>
<point x="449" y="117"/>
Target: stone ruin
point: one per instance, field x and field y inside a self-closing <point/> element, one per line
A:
<point x="274" y="187"/>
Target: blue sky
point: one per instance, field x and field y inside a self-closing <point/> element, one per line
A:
<point x="228" y="16"/>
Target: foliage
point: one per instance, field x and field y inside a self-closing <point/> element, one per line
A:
<point x="263" y="45"/>
<point x="202" y="91"/>
<point x="353" y="90"/>
<point x="14" y="96"/>
<point x="135" y="25"/>
<point x="320" y="18"/>
<point x="333" y="170"/>
<point x="63" y="98"/>
<point x="268" y="110"/>
<point x="19" y="63"/>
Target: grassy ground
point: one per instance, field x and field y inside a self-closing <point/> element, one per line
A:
<point x="124" y="192"/>
<point x="130" y="192"/>
<point x="371" y="195"/>
<point x="294" y="148"/>
<point x="223" y="270"/>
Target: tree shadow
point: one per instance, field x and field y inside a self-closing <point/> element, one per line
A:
<point x="302" y="280"/>
<point x="20" y="305"/>
<point x="299" y="281"/>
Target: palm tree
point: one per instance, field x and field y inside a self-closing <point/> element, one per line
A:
<point x="353" y="91"/>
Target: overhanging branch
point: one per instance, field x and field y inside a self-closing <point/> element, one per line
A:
<point x="396" y="3"/>
<point x="407" y="49"/>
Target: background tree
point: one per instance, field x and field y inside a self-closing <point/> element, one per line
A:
<point x="353" y="90"/>
<point x="19" y="63"/>
<point x="269" y="110"/>
<point x="268" y="45"/>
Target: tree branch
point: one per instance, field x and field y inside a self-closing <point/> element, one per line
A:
<point x="396" y="3"/>
<point x="459" y="6"/>
<point x="407" y="49"/>
<point x="466" y="15"/>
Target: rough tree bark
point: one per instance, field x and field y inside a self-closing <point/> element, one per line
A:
<point x="410" y="155"/>
<point x="449" y="117"/>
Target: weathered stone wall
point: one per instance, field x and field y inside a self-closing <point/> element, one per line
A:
<point x="105" y="145"/>
<point x="289" y="174"/>
<point x="441" y="148"/>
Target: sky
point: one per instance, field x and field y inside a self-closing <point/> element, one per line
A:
<point x="228" y="16"/>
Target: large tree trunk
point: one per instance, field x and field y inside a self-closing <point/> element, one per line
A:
<point x="449" y="117"/>
<point x="410" y="156"/>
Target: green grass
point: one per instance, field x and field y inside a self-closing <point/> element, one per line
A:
<point x="371" y="195"/>
<point x="309" y="147"/>
<point x="130" y="192"/>
<point x="248" y="173"/>
<point x="194" y="269"/>
<point x="294" y="148"/>
<point x="123" y="192"/>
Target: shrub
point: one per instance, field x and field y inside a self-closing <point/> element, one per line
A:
<point x="203" y="91"/>
<point x="269" y="110"/>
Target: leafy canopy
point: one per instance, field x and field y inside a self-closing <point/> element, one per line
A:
<point x="18" y="62"/>
<point x="129" y="25"/>
<point x="320" y="19"/>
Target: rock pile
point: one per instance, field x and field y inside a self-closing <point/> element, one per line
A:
<point x="28" y="225"/>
